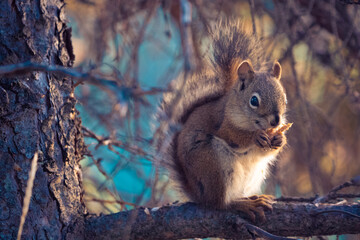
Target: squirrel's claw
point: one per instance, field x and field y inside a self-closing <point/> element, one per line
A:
<point x="277" y="141"/>
<point x="254" y="205"/>
<point x="262" y="139"/>
<point x="269" y="198"/>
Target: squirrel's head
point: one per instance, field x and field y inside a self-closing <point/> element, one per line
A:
<point x="256" y="100"/>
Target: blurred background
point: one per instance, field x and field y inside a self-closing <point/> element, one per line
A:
<point x="136" y="48"/>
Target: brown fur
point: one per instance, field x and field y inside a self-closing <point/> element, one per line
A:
<point x="222" y="152"/>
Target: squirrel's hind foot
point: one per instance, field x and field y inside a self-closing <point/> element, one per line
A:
<point x="254" y="205"/>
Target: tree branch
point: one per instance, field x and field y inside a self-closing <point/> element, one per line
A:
<point x="354" y="182"/>
<point x="82" y="77"/>
<point x="350" y="1"/>
<point x="192" y="221"/>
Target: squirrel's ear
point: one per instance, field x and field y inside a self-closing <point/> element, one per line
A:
<point x="276" y="70"/>
<point x="245" y="70"/>
<point x="245" y="73"/>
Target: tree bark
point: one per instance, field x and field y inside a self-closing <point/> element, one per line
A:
<point x="37" y="114"/>
<point x="191" y="221"/>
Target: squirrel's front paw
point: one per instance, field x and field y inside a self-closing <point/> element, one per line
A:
<point x="262" y="139"/>
<point x="278" y="141"/>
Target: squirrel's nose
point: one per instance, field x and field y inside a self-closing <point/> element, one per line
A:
<point x="275" y="121"/>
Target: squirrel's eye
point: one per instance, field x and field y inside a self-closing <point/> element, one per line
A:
<point x="254" y="101"/>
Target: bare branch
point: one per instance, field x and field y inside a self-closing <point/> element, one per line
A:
<point x="333" y="193"/>
<point x="350" y="1"/>
<point x="256" y="231"/>
<point x="95" y="79"/>
<point x="252" y="10"/>
<point x="186" y="36"/>
<point x="107" y="141"/>
<point x="192" y="221"/>
<point x="109" y="201"/>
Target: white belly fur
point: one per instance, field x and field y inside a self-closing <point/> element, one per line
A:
<point x="250" y="171"/>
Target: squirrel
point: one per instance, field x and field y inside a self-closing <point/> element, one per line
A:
<point x="221" y="153"/>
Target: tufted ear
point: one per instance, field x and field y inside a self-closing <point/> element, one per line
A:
<point x="276" y="70"/>
<point x="245" y="70"/>
<point x="245" y="73"/>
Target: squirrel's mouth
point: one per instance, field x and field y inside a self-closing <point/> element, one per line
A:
<point x="258" y="125"/>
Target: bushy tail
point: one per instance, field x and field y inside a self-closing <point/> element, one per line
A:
<point x="231" y="44"/>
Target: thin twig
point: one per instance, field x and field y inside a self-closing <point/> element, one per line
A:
<point x="186" y="36"/>
<point x="336" y="211"/>
<point x="350" y="1"/>
<point x="295" y="199"/>
<point x="28" y="194"/>
<point x="333" y="192"/>
<point x="107" y="141"/>
<point x="110" y="201"/>
<point x="252" y="10"/>
<point x="264" y="234"/>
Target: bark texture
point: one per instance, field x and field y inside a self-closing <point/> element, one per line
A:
<point x="37" y="114"/>
<point x="191" y="221"/>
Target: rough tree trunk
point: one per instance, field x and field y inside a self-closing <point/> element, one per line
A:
<point x="37" y="114"/>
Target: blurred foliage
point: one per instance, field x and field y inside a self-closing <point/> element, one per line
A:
<point x="139" y="44"/>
